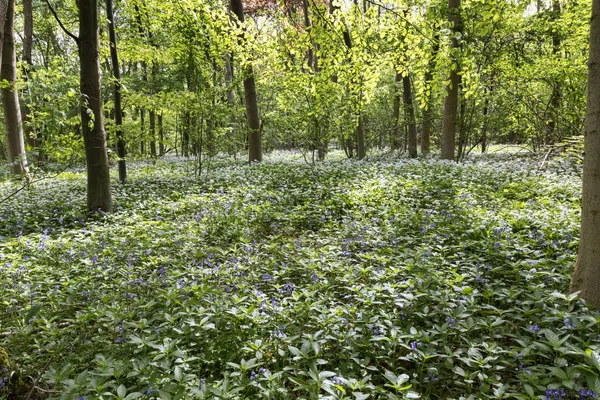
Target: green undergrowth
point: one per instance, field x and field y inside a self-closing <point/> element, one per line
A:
<point x="389" y="279"/>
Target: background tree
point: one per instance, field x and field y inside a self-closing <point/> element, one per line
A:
<point x="586" y="277"/>
<point x="118" y="111"/>
<point x="252" y="113"/>
<point x="451" y="100"/>
<point x="13" y="125"/>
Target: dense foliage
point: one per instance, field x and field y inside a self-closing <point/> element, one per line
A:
<point x="391" y="278"/>
<point x="522" y="67"/>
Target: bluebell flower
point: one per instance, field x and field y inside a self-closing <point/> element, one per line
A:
<point x="337" y="380"/>
<point x="555" y="394"/>
<point x="451" y="322"/>
<point x="413" y="346"/>
<point x="570" y="324"/>
<point x="584" y="394"/>
<point x="534" y="329"/>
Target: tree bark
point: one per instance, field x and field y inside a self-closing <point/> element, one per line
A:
<point x="451" y="100"/>
<point x="410" y="116"/>
<point x="551" y="135"/>
<point x="586" y="278"/>
<point x="395" y="140"/>
<point x="161" y="135"/>
<point x="360" y="139"/>
<point x="252" y="113"/>
<point x="428" y="112"/>
<point x="118" y="110"/>
<point x="29" y="131"/>
<point x="13" y="125"/>
<point x="142" y="130"/>
<point x="152" y="133"/>
<point x="92" y="120"/>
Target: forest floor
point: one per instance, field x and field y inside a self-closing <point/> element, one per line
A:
<point x="390" y="278"/>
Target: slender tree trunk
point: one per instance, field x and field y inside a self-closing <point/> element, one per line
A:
<point x="252" y="114"/>
<point x="118" y="110"/>
<point x="29" y="131"/>
<point x="161" y="135"/>
<point x="13" y="125"/>
<point x="185" y="135"/>
<point x="395" y="139"/>
<point x="360" y="139"/>
<point x="586" y="278"/>
<point x="486" y="105"/>
<point x="451" y="100"/>
<point x="152" y="133"/>
<point x="410" y="117"/>
<point x="555" y="96"/>
<point x="142" y="130"/>
<point x="428" y="112"/>
<point x="92" y="119"/>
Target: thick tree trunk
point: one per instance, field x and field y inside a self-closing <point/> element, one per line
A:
<point x="451" y="100"/>
<point x="13" y="125"/>
<point x="252" y="114"/>
<point x="410" y="117"/>
<point x="586" y="277"/>
<point x="29" y="131"/>
<point x="118" y="111"/>
<point x="92" y="120"/>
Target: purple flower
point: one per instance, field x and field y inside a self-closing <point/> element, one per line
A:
<point x="534" y="329"/>
<point x="337" y="380"/>
<point x="413" y="346"/>
<point x="556" y="394"/>
<point x="570" y="324"/>
<point x="585" y="394"/>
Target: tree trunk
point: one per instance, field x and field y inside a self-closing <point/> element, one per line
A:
<point x="92" y="120"/>
<point x="360" y="139"/>
<point x="486" y="105"/>
<point x="551" y="135"/>
<point x="142" y="130"/>
<point x="13" y="125"/>
<point x="161" y="135"/>
<point x="428" y="112"/>
<point x="395" y="139"/>
<point x="152" y="133"/>
<point x="29" y="131"/>
<point x="254" y="139"/>
<point x="118" y="111"/>
<point x="451" y="100"/>
<point x="586" y="278"/>
<point x="410" y="117"/>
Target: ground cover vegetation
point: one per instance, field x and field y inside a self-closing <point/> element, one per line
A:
<point x="347" y="265"/>
<point x="387" y="278"/>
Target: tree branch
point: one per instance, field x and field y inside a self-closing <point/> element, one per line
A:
<point x="75" y="38"/>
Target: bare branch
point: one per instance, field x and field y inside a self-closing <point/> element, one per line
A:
<point x="75" y="38"/>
